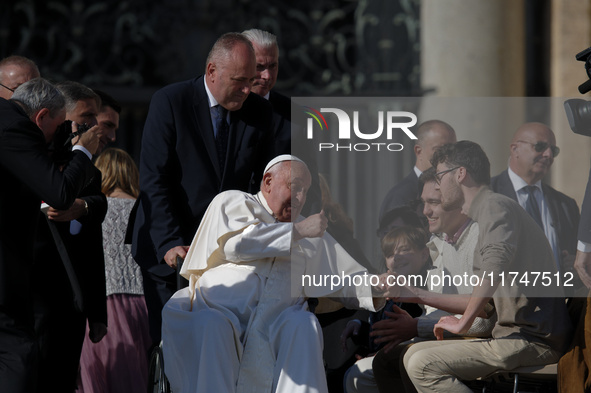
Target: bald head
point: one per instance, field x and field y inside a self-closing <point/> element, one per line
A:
<point x="533" y="129"/>
<point x="431" y="135"/>
<point x="14" y="71"/>
<point x="532" y="151"/>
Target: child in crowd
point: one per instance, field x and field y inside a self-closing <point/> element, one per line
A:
<point x="407" y="259"/>
<point x="118" y="363"/>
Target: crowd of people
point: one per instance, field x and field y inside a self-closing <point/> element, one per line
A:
<point x="91" y="246"/>
<point x="66" y="272"/>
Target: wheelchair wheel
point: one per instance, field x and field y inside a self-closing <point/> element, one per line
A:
<point x="157" y="381"/>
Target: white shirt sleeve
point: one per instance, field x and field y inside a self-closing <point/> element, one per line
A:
<point x="82" y="149"/>
<point x="583" y="247"/>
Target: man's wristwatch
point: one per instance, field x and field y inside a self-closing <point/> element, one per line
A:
<point x="85" y="207"/>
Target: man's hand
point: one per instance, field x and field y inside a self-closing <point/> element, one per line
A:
<point x="352" y="329"/>
<point x="178" y="251"/>
<point x="583" y="267"/>
<point x="312" y="226"/>
<point x="97" y="330"/>
<point x="451" y="324"/>
<point x="89" y="140"/>
<point x="399" y="327"/>
<point x="77" y="210"/>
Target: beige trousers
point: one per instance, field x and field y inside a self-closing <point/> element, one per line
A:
<point x="438" y="366"/>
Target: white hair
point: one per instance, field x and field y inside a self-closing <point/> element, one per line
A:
<point x="261" y="38"/>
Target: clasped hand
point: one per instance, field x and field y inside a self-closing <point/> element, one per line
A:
<point x="77" y="210"/>
<point x="398" y="327"/>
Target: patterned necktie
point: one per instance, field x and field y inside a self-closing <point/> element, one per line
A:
<point x="222" y="131"/>
<point x="531" y="205"/>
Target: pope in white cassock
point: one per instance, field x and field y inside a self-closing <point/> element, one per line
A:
<point x="243" y="323"/>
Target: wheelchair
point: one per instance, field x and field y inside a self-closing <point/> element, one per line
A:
<point x="331" y="315"/>
<point x="157" y="381"/>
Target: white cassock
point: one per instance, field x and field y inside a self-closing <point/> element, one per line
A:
<point x="242" y="325"/>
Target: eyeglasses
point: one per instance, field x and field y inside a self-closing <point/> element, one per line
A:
<point x="6" y="87"/>
<point x="439" y="175"/>
<point x="542" y="146"/>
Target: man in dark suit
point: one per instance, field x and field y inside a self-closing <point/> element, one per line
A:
<point x="28" y="176"/>
<point x="267" y="56"/>
<point x="532" y="153"/>
<point x="201" y="137"/>
<point x="430" y="135"/>
<point x="70" y="282"/>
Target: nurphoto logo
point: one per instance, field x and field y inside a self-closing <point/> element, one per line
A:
<point x="392" y="122"/>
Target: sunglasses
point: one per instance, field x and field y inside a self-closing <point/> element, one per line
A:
<point x="542" y="146"/>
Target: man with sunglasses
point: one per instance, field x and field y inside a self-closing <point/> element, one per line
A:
<point x="533" y="149"/>
<point x="14" y="71"/>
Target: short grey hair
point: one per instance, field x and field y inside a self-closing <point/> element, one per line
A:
<point x="37" y="94"/>
<point x="261" y="38"/>
<point x="224" y="45"/>
<point x="74" y="92"/>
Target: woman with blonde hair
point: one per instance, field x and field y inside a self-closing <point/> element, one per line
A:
<point x="118" y="363"/>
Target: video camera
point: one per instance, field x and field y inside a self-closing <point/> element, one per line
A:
<point x="578" y="112"/>
<point x="60" y="146"/>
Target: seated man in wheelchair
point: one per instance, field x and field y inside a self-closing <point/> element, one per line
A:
<point x="242" y="324"/>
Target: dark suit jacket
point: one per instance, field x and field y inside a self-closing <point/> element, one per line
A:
<point x="59" y="324"/>
<point x="563" y="210"/>
<point x="282" y="116"/>
<point x="28" y="176"/>
<point x="179" y="171"/>
<point x="585" y="223"/>
<point x="85" y="251"/>
<point x="404" y="193"/>
<point x="286" y="133"/>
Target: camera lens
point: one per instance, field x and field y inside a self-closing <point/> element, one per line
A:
<point x="578" y="113"/>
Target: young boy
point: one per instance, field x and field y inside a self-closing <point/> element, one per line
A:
<point x="407" y="258"/>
